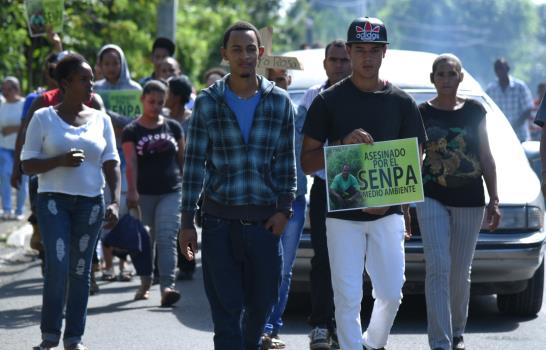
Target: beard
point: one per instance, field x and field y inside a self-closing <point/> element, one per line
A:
<point x="245" y="75"/>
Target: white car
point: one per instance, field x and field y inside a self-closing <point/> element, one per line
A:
<point x="509" y="261"/>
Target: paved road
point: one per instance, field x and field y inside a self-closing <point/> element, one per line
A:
<point x="117" y="322"/>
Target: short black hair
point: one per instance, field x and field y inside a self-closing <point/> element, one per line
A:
<point x="241" y="26"/>
<point x="67" y="66"/>
<point x="501" y="61"/>
<point x="335" y="43"/>
<point x="154" y="86"/>
<point x="215" y="70"/>
<point x="181" y="86"/>
<point x="164" y="43"/>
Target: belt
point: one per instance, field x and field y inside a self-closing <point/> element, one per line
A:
<point x="251" y="222"/>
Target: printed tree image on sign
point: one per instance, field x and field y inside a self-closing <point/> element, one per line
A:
<point x="382" y="174"/>
<point x="43" y="15"/>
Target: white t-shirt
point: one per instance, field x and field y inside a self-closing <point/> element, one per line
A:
<point x="10" y="115"/>
<point x="49" y="136"/>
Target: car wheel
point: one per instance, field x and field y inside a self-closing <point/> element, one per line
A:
<point x="525" y="303"/>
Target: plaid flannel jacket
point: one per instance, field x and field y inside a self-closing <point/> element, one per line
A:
<point x="230" y="172"/>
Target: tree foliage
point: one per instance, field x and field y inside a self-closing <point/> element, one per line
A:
<point x="478" y="31"/>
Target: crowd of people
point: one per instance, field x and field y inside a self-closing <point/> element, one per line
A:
<point x="106" y="182"/>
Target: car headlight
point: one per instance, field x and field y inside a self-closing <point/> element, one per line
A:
<point x="524" y="218"/>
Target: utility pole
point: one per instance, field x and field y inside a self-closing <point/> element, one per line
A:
<point x="166" y="19"/>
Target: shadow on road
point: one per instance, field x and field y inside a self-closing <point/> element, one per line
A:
<point x="484" y="316"/>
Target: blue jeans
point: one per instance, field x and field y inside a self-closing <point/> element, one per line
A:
<point x="6" y="167"/>
<point x="161" y="213"/>
<point x="241" y="270"/>
<point x="70" y="228"/>
<point x="290" y="241"/>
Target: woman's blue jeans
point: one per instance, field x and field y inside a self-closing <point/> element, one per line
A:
<point x="6" y="168"/>
<point x="70" y="227"/>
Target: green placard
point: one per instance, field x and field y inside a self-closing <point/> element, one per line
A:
<point x="124" y="102"/>
<point x="42" y="14"/>
<point x="383" y="174"/>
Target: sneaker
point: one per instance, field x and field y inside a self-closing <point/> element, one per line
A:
<point x="46" y="345"/>
<point x="108" y="275"/>
<point x="276" y="342"/>
<point x="169" y="297"/>
<point x="266" y="342"/>
<point x="458" y="343"/>
<point x="78" y="346"/>
<point x="319" y="339"/>
<point x="272" y="342"/>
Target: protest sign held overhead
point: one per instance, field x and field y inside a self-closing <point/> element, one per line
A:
<point x="44" y="15"/>
<point x="378" y="175"/>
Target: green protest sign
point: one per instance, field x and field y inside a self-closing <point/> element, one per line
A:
<point x="383" y="174"/>
<point x="44" y="14"/>
<point x="124" y="102"/>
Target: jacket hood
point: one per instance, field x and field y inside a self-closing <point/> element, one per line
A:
<point x="124" y="81"/>
<point x="217" y="90"/>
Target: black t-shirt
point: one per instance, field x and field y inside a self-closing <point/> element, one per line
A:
<point x="388" y="114"/>
<point x="157" y="156"/>
<point x="452" y="173"/>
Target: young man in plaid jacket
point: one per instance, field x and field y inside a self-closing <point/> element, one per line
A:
<point x="240" y="154"/>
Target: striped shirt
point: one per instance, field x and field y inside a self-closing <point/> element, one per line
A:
<point x="514" y="101"/>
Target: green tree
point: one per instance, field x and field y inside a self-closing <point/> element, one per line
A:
<point x="201" y="25"/>
<point x="478" y="31"/>
<point x="88" y="25"/>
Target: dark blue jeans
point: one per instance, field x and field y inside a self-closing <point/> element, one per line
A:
<point x="70" y="227"/>
<point x="241" y="268"/>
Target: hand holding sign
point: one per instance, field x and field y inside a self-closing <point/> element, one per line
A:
<point x="357" y="136"/>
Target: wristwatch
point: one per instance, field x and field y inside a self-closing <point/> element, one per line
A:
<point x="287" y="212"/>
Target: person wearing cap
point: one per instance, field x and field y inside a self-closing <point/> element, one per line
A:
<point x="337" y="67"/>
<point x="161" y="49"/>
<point x="513" y="98"/>
<point x="240" y="158"/>
<point x="363" y="109"/>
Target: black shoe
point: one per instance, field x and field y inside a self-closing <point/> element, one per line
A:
<point x="319" y="339"/>
<point x="458" y="343"/>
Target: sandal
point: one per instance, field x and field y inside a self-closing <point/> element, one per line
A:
<point x="143" y="292"/>
<point x="169" y="297"/>
<point x="108" y="275"/>
<point x="125" y="276"/>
